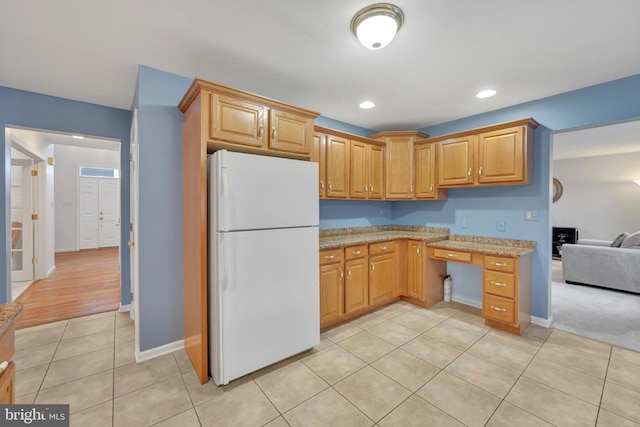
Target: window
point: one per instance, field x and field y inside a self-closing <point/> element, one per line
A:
<point x="99" y="172"/>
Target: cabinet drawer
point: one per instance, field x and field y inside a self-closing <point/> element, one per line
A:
<point x="498" y="308"/>
<point x="499" y="263"/>
<point x="450" y="255"/>
<point x="383" y="248"/>
<point x="354" y="252"/>
<point x="502" y="284"/>
<point x="331" y="256"/>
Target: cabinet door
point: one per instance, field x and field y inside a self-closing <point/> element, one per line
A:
<point x="358" y="179"/>
<point x="356" y="292"/>
<point x="501" y="156"/>
<point x="290" y="132"/>
<point x="399" y="167"/>
<point x="376" y="171"/>
<point x="8" y="385"/>
<point x="425" y="171"/>
<point x="415" y="269"/>
<point x="238" y="121"/>
<point x="455" y="161"/>
<point x="337" y="167"/>
<point x="382" y="278"/>
<point x="318" y="155"/>
<point x="331" y="294"/>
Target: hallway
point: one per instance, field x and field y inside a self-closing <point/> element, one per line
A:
<point x="85" y="282"/>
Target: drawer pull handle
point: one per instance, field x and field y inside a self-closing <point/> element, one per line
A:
<point x="452" y="255"/>
<point x="330" y="186"/>
<point x="273" y="133"/>
<point x="260" y="132"/>
<point x="322" y="186"/>
<point x="356" y="252"/>
<point x="372" y="268"/>
<point x="329" y="256"/>
<point x="499" y="264"/>
<point x="371" y="189"/>
<point x="502" y="285"/>
<point x="431" y="188"/>
<point x="480" y="171"/>
<point x="469" y="172"/>
<point x="366" y="189"/>
<point x="498" y="308"/>
<point x="341" y="275"/>
<point x="383" y="248"/>
<point x="348" y="272"/>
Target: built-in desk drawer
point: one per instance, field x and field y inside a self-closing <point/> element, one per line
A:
<point x="498" y="308"/>
<point x="451" y="255"/>
<point x="331" y="256"/>
<point x="499" y="263"/>
<point x="502" y="284"/>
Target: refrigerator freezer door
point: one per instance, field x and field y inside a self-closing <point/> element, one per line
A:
<point x="264" y="304"/>
<point x="259" y="192"/>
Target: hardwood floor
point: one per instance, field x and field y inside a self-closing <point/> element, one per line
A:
<point x="85" y="282"/>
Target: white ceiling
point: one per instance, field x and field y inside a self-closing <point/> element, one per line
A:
<point x="60" y="138"/>
<point x="604" y="140"/>
<point x="302" y="52"/>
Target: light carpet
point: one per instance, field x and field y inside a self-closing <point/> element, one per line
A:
<point x="601" y="314"/>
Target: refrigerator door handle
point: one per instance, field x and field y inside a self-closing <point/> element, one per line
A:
<point x="226" y="200"/>
<point x="226" y="268"/>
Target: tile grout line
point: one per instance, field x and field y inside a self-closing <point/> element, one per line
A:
<point x="49" y="366"/>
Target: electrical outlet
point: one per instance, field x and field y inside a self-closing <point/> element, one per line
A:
<point x="67" y="204"/>
<point x="464" y="223"/>
<point x="501" y="226"/>
<point x="532" y="215"/>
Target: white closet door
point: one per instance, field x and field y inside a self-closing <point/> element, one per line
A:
<point x="88" y="213"/>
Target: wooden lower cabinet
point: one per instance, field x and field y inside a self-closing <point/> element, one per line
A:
<point x="425" y="276"/>
<point x="8" y="385"/>
<point x="383" y="278"/>
<point x="331" y="294"/>
<point x="415" y="268"/>
<point x="356" y="288"/>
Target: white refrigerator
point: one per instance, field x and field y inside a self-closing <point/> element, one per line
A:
<point x="263" y="261"/>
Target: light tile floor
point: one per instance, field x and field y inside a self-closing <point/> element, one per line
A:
<point x="399" y="366"/>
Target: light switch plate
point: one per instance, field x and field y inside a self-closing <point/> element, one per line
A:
<point x="532" y="215"/>
<point x="501" y="226"/>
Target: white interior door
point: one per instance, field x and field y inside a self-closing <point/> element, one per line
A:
<point x="21" y="222"/>
<point x="109" y="212"/>
<point x="88" y="213"/>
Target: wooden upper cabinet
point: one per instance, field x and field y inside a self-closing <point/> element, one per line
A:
<point x="290" y="132"/>
<point x="376" y="171"/>
<point x="399" y="162"/>
<point x="358" y="170"/>
<point x="319" y="155"/>
<point x="426" y="185"/>
<point x="234" y="120"/>
<point x="496" y="155"/>
<point x="500" y="156"/>
<point x="455" y="161"/>
<point x="337" y="173"/>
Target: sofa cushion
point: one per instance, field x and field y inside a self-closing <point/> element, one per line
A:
<point x="632" y="241"/>
<point x="618" y="240"/>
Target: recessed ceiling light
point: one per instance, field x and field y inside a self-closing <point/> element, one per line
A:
<point x="487" y="93"/>
<point x="77" y="136"/>
<point x="366" y="105"/>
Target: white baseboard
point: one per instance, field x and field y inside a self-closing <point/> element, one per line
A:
<point x="67" y="250"/>
<point x="51" y="270"/>
<point x="124" y="308"/>
<point x="546" y="323"/>
<point x="152" y="353"/>
<point x="466" y="301"/>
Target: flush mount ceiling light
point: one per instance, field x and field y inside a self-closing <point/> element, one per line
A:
<point x="487" y="93"/>
<point x="366" y="105"/>
<point x="377" y="25"/>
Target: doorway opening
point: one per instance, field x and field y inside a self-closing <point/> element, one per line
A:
<point x="594" y="291"/>
<point x="76" y="259"/>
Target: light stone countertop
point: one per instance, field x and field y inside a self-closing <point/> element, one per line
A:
<point x="433" y="237"/>
<point x="8" y="312"/>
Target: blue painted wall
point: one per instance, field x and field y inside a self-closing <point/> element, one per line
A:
<point x="32" y="110"/>
<point x="160" y="237"/>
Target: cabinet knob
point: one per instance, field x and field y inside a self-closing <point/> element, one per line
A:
<point x="431" y="188"/>
<point x="469" y="172"/>
<point x="418" y="250"/>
